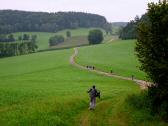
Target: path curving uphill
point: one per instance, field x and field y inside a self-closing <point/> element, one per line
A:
<point x="143" y="84"/>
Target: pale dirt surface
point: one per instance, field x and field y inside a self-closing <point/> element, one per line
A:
<point x="143" y="84"/>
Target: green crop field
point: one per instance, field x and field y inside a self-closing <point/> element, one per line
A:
<point x="43" y="89"/>
<point x="43" y="37"/>
<point x="78" y="32"/>
<point x="73" y="41"/>
<point x="117" y="56"/>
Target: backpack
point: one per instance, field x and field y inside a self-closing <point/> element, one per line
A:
<point x="98" y="94"/>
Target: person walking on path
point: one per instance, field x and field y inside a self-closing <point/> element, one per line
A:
<point x="93" y="93"/>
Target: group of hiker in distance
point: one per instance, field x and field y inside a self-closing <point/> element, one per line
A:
<point x="93" y="93"/>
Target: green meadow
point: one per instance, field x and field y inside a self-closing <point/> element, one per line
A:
<point x="44" y="89"/>
<point x="43" y="37"/>
<point x="72" y="42"/>
<point x="118" y="56"/>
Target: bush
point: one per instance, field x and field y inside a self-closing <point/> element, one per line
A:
<point x="68" y="34"/>
<point x="139" y="101"/>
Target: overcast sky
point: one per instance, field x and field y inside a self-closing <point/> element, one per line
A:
<point x="113" y="10"/>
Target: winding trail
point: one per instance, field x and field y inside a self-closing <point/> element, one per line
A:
<point x="143" y="84"/>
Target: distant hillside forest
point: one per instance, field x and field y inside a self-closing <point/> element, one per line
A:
<point x="117" y="27"/>
<point x="119" y="24"/>
<point x="19" y="21"/>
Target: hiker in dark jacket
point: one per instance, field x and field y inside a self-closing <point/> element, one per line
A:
<point x="93" y="94"/>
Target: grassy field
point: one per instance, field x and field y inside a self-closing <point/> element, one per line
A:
<point x="43" y="37"/>
<point x="117" y="56"/>
<point x="44" y="89"/>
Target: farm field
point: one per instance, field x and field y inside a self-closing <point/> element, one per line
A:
<point x="78" y="31"/>
<point x="44" y="89"/>
<point x="73" y="42"/>
<point x="117" y="56"/>
<point x="43" y="37"/>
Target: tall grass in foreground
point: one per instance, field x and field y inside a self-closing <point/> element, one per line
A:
<point x="140" y="111"/>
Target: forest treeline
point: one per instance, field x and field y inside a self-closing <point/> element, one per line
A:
<point x="130" y="30"/>
<point x="20" y="21"/>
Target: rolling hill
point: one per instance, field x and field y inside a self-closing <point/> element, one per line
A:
<point x="44" y="89"/>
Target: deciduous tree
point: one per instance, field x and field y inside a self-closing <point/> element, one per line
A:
<point x="95" y="36"/>
<point x="152" y="51"/>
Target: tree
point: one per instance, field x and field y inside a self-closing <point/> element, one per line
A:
<point x="11" y="38"/>
<point x="108" y="28"/>
<point x="56" y="40"/>
<point x="26" y="37"/>
<point x="68" y="34"/>
<point x="33" y="43"/>
<point x="152" y="51"/>
<point x="33" y="38"/>
<point x="130" y="30"/>
<point x="95" y="36"/>
<point x="20" y="38"/>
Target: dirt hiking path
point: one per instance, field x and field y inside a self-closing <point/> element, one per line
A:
<point x="143" y="84"/>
